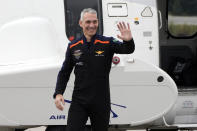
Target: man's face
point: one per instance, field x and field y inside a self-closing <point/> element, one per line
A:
<point x="89" y="24"/>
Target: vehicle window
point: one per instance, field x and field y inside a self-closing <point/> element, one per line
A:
<point x="182" y="17"/>
<point x="73" y="10"/>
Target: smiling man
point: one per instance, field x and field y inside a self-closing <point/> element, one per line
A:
<point x="91" y="55"/>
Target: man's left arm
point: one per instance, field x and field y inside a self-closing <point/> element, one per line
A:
<point x="128" y="45"/>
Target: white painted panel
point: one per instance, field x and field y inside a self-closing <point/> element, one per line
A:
<point x="147" y="47"/>
<point x="27" y="39"/>
<point x="117" y="9"/>
<point x="139" y="97"/>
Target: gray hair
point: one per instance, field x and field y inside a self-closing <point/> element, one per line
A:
<point x="87" y="10"/>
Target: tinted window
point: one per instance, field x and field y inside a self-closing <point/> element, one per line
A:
<point x="73" y="10"/>
<point x="182" y="17"/>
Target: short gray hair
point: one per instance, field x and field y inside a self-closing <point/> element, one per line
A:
<point x="87" y="10"/>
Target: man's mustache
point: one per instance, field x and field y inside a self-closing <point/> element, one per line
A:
<point x="91" y="28"/>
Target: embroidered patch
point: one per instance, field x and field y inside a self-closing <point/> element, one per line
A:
<point x="77" y="54"/>
<point x="99" y="53"/>
<point x="115" y="40"/>
<point x="79" y="63"/>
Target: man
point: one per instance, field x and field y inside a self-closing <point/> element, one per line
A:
<point x="91" y="55"/>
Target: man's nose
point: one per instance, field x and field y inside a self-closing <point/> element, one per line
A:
<point x="91" y="24"/>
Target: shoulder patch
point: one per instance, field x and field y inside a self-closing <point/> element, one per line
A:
<point x="115" y="40"/>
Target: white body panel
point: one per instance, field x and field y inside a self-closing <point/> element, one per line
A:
<point x="147" y="24"/>
<point x="145" y="98"/>
<point x="142" y="97"/>
<point x="32" y="48"/>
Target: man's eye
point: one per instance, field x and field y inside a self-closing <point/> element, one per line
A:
<point x="88" y="22"/>
<point x="95" y="22"/>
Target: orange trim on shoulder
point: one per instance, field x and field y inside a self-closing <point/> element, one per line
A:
<point x="81" y="41"/>
<point x="103" y="42"/>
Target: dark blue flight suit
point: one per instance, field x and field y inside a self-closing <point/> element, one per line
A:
<point x="91" y="95"/>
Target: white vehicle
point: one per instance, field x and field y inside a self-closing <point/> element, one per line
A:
<point x="34" y="35"/>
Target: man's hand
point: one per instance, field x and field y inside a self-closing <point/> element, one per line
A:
<point x="59" y="102"/>
<point x="124" y="31"/>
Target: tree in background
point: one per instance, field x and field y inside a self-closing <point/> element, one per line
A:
<point x="182" y="7"/>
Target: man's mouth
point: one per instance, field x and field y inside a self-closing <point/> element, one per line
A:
<point x="91" y="29"/>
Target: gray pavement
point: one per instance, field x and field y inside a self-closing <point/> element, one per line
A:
<point x="42" y="128"/>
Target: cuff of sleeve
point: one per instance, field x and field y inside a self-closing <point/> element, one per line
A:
<point x="128" y="41"/>
<point x="56" y="93"/>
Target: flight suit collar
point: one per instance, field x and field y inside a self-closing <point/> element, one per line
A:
<point x="92" y="39"/>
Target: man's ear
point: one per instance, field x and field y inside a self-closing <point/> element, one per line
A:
<point x="80" y="23"/>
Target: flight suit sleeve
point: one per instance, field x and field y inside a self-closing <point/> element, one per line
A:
<point x="125" y="47"/>
<point x="64" y="73"/>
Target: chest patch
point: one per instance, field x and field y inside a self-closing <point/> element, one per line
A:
<point x="77" y="54"/>
<point x="99" y="53"/>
